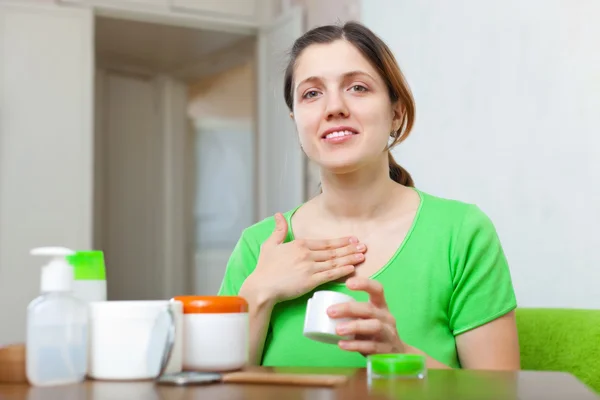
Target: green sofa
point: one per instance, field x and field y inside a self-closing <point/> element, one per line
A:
<point x="566" y="340"/>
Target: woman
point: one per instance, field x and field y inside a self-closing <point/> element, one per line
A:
<point x="429" y="274"/>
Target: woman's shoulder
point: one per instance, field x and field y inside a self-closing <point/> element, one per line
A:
<point x="258" y="232"/>
<point x="457" y="215"/>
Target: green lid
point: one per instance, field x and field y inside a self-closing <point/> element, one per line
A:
<point x="88" y="265"/>
<point x="396" y="364"/>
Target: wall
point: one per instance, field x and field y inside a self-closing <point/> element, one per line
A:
<point x="229" y="96"/>
<point x="222" y="110"/>
<point x="46" y="141"/>
<point x="319" y="12"/>
<point x="507" y="96"/>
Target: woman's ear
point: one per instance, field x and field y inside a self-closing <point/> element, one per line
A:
<point x="292" y="116"/>
<point x="398" y="111"/>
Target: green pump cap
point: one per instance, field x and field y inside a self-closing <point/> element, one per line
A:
<point x="397" y="365"/>
<point x="88" y="265"/>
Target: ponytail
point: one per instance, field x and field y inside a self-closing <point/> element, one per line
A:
<point x="399" y="174"/>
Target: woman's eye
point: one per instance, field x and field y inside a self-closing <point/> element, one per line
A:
<point x="358" y="88"/>
<point x="310" y="94"/>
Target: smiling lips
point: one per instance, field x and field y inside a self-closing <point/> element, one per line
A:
<point x="339" y="134"/>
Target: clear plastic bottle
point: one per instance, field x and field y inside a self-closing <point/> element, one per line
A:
<point x="57" y="326"/>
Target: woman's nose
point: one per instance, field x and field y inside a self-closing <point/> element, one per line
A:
<point x="336" y="107"/>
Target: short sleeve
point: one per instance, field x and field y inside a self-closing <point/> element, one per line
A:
<point x="482" y="284"/>
<point x="241" y="263"/>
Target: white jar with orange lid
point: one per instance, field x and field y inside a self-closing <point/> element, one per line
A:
<point x="215" y="333"/>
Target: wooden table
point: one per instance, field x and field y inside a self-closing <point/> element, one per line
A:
<point x="439" y="384"/>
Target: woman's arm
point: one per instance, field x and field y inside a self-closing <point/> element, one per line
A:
<point x="259" y="314"/>
<point x="493" y="346"/>
<point x="431" y="362"/>
<point x="481" y="308"/>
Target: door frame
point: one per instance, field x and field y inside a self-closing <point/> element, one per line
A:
<point x="170" y="14"/>
<point x="289" y="15"/>
<point x="178" y="267"/>
<point x="177" y="237"/>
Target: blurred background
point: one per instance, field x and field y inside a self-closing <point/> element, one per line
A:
<point x="156" y="131"/>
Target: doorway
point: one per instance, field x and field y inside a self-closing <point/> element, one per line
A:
<point x="175" y="150"/>
<point x="58" y="194"/>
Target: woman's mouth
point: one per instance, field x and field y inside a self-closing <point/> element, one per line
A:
<point x="339" y="135"/>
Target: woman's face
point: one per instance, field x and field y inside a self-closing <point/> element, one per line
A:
<point x="342" y="108"/>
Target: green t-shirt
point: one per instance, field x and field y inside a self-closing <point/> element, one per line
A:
<point x="448" y="276"/>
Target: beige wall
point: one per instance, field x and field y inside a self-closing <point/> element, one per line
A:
<point x="46" y="148"/>
<point x="323" y="12"/>
<point x="227" y="96"/>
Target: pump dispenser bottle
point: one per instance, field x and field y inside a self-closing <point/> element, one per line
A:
<point x="56" y="343"/>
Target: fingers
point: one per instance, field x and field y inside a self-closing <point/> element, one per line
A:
<point x="329" y="244"/>
<point x="331" y="275"/>
<point x="351" y="259"/>
<point x="366" y="347"/>
<point x="372" y="287"/>
<point x="362" y="327"/>
<point x="355" y="309"/>
<point x="333" y="254"/>
<point x="280" y="231"/>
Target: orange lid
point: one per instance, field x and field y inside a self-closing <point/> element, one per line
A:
<point x="212" y="304"/>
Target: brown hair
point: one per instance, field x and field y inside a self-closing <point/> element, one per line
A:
<point x="382" y="59"/>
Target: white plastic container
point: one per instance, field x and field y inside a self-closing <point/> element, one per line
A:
<point x="318" y="325"/>
<point x="215" y="333"/>
<point x="135" y="340"/>
<point x="90" y="275"/>
<point x="57" y="330"/>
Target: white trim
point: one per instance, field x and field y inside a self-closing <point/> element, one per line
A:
<point x="266" y="13"/>
<point x="90" y="56"/>
<point x="166" y="15"/>
<point x="286" y="6"/>
<point x="45" y="8"/>
<point x="219" y="60"/>
<point x="173" y="240"/>
<point x="122" y="66"/>
<point x="165" y="138"/>
<point x="261" y="147"/>
<point x="283" y="18"/>
<point x="264" y="166"/>
<point x="208" y="12"/>
<point x="99" y="159"/>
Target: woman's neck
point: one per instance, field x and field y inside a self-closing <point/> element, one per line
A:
<point x="360" y="195"/>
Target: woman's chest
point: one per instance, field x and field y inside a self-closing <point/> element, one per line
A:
<point x="383" y="241"/>
<point x="381" y="250"/>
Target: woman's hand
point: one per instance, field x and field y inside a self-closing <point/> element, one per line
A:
<point x="288" y="270"/>
<point x="374" y="327"/>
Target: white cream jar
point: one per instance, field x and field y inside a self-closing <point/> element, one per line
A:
<point x="215" y="333"/>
